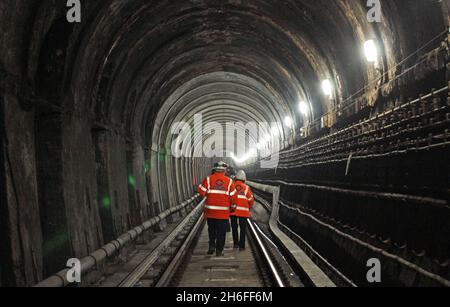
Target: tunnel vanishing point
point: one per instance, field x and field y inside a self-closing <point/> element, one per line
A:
<point x="359" y="109"/>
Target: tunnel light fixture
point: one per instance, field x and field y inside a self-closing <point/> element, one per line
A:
<point x="327" y="87"/>
<point x="371" y="51"/>
<point x="252" y="153"/>
<point x="303" y="107"/>
<point x="288" y="122"/>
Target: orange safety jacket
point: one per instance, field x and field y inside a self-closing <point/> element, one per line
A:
<point x="244" y="200"/>
<point x="220" y="193"/>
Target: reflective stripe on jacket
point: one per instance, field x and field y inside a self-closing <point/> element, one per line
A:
<point x="220" y="193"/>
<point x="244" y="200"/>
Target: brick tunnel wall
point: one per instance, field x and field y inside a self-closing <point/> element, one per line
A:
<point x="70" y="185"/>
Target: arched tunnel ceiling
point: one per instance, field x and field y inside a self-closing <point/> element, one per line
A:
<point x="131" y="56"/>
<point x="219" y="97"/>
<point x="158" y="48"/>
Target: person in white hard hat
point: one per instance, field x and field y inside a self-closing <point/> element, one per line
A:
<point x="220" y="194"/>
<point x="241" y="210"/>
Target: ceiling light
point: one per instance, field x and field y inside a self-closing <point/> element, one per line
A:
<point x="371" y="51"/>
<point x="303" y="107"/>
<point x="327" y="87"/>
<point x="288" y="121"/>
<point x="251" y="154"/>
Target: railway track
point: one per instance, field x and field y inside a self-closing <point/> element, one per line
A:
<point x="180" y="260"/>
<point x="154" y="266"/>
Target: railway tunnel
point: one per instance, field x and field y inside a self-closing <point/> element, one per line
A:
<point x="112" y="112"/>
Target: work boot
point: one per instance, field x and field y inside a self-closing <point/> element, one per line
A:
<point x="211" y="250"/>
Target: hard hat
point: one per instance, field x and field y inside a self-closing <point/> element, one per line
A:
<point x="241" y="176"/>
<point x="220" y="166"/>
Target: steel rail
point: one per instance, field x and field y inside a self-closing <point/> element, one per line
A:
<point x="313" y="275"/>
<point x="169" y="273"/>
<point x="174" y="265"/>
<point x="274" y="272"/>
<point x="134" y="277"/>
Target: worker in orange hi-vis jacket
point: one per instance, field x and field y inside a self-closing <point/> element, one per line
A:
<point x="241" y="210"/>
<point x="220" y="194"/>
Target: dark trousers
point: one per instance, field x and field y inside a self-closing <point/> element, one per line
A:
<point x="217" y="230"/>
<point x="236" y="224"/>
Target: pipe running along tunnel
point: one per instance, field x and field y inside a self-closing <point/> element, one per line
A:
<point x="113" y="120"/>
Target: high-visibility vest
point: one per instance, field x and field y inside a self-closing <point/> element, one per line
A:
<point x="220" y="193"/>
<point x="244" y="200"/>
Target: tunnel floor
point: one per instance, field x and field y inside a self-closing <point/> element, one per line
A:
<point x="235" y="269"/>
